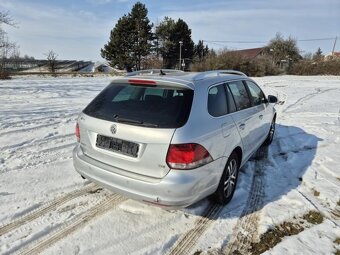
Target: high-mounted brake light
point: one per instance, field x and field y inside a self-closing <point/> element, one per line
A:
<point x="187" y="156"/>
<point x="77" y="132"/>
<point x="142" y="82"/>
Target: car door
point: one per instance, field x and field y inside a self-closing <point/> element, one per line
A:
<point x="263" y="114"/>
<point x="245" y="116"/>
<point x="218" y="109"/>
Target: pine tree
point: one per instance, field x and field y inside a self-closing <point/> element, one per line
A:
<point x="118" y="50"/>
<point x="142" y="32"/>
<point x="170" y="33"/>
<point x="200" y="51"/>
<point x="130" y="39"/>
<point x="318" y="55"/>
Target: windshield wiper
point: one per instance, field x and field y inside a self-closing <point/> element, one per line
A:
<point x="126" y="120"/>
<point x="132" y="121"/>
<point x="146" y="124"/>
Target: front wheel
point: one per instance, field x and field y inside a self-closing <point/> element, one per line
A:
<point x="271" y="133"/>
<point x="227" y="185"/>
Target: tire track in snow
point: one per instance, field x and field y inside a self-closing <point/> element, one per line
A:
<point x="46" y="241"/>
<point x="30" y="121"/>
<point x="246" y="227"/>
<point x="46" y="156"/>
<point x="30" y="129"/>
<point x="61" y="149"/>
<point x="52" y="205"/>
<point x="185" y="243"/>
<point x="245" y="230"/>
<point x="34" y="142"/>
<point x="323" y="209"/>
<point x="307" y="97"/>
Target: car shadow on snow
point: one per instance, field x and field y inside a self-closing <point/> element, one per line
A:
<point x="270" y="174"/>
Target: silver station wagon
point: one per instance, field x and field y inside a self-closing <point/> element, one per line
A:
<point x="172" y="138"/>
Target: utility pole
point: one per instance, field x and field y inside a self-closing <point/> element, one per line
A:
<point x="180" y="55"/>
<point x="336" y="38"/>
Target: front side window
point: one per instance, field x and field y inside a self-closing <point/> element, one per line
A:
<point x="217" y="102"/>
<point x="256" y="93"/>
<point x="240" y="94"/>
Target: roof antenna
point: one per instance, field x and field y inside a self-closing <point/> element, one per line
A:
<point x="161" y="72"/>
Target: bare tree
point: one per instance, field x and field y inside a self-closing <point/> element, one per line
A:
<point x="5" y="18"/>
<point x="7" y="48"/>
<point x="52" y="60"/>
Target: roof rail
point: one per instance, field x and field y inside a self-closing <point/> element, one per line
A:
<point x="154" y="72"/>
<point x="206" y="74"/>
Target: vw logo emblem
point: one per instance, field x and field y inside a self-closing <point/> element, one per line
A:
<point x="113" y="129"/>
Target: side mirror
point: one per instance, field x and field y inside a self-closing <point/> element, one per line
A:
<point x="272" y="99"/>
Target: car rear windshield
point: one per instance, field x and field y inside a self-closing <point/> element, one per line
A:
<point x="162" y="107"/>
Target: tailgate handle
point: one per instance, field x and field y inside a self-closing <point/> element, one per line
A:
<point x="242" y="126"/>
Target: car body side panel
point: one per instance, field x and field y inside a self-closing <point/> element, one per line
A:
<point x="218" y="135"/>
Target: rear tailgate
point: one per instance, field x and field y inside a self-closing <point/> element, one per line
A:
<point x="152" y="144"/>
<point x="130" y="127"/>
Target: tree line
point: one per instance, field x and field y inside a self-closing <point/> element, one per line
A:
<point x="135" y="43"/>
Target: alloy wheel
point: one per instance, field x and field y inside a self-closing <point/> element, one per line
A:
<point x="230" y="178"/>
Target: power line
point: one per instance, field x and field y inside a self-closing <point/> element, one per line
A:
<point x="234" y="41"/>
<point x="317" y="39"/>
<point x="301" y="40"/>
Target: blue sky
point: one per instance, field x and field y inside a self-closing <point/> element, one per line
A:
<point x="77" y="29"/>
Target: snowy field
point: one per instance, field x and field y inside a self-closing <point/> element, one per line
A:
<point x="45" y="206"/>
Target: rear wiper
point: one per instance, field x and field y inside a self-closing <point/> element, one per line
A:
<point x="146" y="124"/>
<point x="136" y="122"/>
<point x="126" y="120"/>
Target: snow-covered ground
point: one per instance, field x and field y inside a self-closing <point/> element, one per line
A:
<point x="45" y="206"/>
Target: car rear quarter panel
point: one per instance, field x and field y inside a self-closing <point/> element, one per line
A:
<point x="217" y="134"/>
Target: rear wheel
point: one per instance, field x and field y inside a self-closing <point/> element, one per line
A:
<point x="227" y="185"/>
<point x="271" y="133"/>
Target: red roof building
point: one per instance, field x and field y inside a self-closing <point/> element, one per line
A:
<point x="250" y="53"/>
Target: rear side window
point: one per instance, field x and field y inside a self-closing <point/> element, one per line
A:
<point x="256" y="93"/>
<point x="140" y="105"/>
<point x="240" y="95"/>
<point x="217" y="103"/>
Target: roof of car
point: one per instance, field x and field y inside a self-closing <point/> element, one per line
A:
<point x="186" y="78"/>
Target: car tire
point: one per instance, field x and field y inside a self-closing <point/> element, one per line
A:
<point x="271" y="133"/>
<point x="227" y="185"/>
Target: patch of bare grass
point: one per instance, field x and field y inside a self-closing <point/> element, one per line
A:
<point x="316" y="193"/>
<point x="275" y="235"/>
<point x="313" y="217"/>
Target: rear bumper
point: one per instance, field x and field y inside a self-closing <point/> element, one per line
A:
<point x="179" y="188"/>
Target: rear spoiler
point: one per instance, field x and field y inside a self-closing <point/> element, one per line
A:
<point x="154" y="81"/>
<point x="154" y="72"/>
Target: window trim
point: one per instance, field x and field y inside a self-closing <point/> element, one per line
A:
<point x="223" y="83"/>
<point x="207" y="104"/>
<point x="247" y="90"/>
<point x="249" y="93"/>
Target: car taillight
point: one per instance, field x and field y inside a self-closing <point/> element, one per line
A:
<point x="187" y="156"/>
<point x="77" y="132"/>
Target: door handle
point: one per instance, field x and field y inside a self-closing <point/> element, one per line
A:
<point x="261" y="117"/>
<point x="242" y="126"/>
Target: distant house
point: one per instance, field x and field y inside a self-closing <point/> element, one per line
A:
<point x="332" y="55"/>
<point x="250" y="53"/>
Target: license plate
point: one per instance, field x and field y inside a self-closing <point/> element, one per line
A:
<point x="117" y="145"/>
